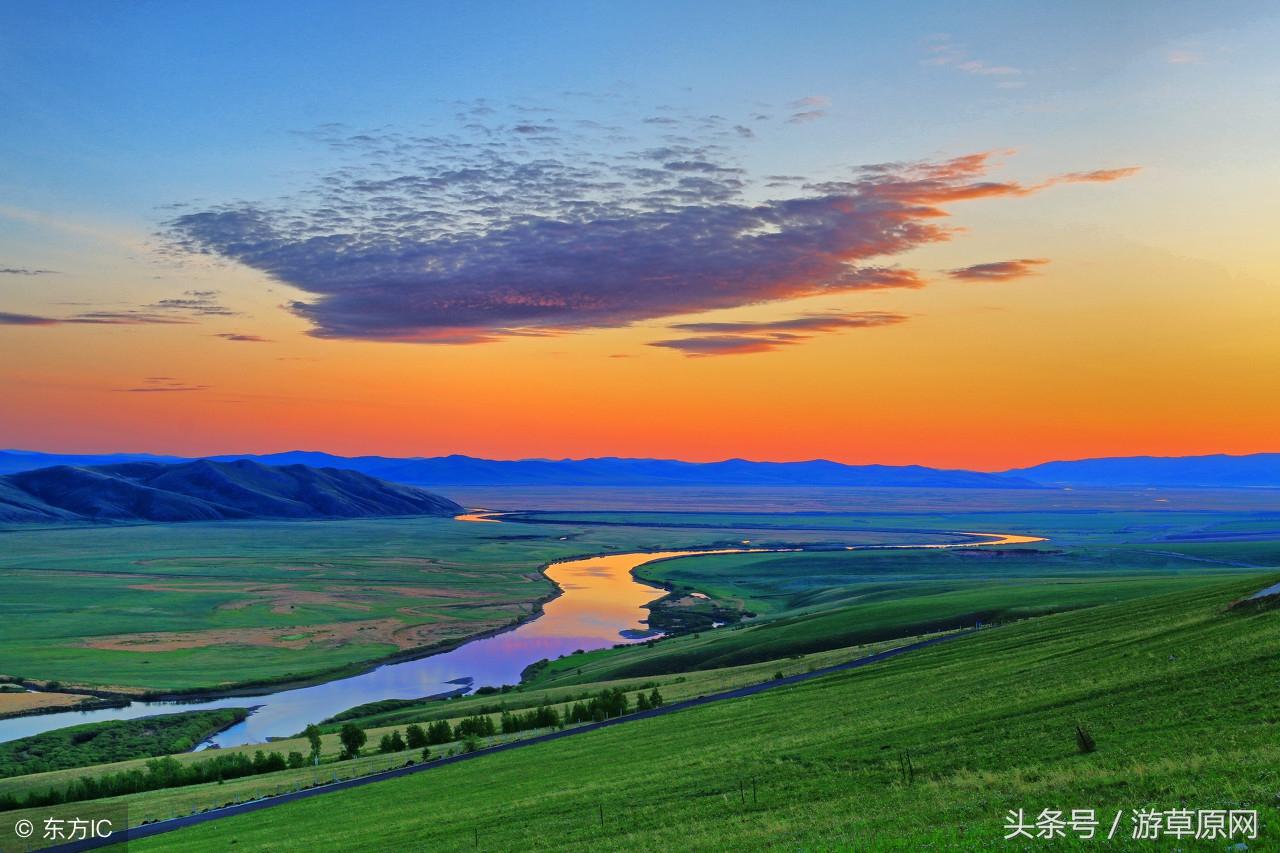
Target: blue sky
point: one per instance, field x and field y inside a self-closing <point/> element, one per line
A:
<point x="190" y="182"/>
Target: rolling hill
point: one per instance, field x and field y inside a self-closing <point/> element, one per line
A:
<point x="206" y="490"/>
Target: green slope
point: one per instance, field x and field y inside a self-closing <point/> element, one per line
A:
<point x="1182" y="696"/>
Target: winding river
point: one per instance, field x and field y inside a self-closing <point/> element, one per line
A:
<point x="601" y="604"/>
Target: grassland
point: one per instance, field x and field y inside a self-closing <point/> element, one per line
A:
<point x="1179" y="693"/>
<point x="1118" y="623"/>
<point x="186" y="607"/>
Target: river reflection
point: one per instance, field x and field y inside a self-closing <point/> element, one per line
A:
<point x="601" y="604"/>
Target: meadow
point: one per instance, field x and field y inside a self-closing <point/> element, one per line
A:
<point x="1118" y="625"/>
<point x="183" y="608"/>
<point x="931" y="749"/>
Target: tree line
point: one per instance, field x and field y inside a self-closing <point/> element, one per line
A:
<point x="168" y="772"/>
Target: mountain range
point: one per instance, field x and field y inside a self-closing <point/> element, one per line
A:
<point x="1261" y="470"/>
<point x="447" y="471"/>
<point x="206" y="490"/>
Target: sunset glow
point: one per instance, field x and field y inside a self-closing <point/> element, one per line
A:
<point x="960" y="244"/>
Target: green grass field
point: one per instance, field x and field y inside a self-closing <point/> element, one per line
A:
<point x="1118" y="623"/>
<point x="1180" y="695"/>
<point x="194" y="606"/>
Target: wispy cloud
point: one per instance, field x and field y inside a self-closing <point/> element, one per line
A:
<point x="9" y="319"/>
<point x="808" y="109"/>
<point x="998" y="270"/>
<point x="470" y="238"/>
<point x="941" y="51"/>
<point x="25" y="271"/>
<point x="202" y="303"/>
<point x="92" y="318"/>
<point x="186" y="309"/>
<point x="739" y="338"/>
<point x="161" y="385"/>
<point x="251" y="339"/>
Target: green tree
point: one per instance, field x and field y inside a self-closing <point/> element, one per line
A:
<point x="655" y="699"/>
<point x="352" y="737"/>
<point x="439" y="732"/>
<point x="313" y="734"/>
<point x="397" y="742"/>
<point x="416" y="736"/>
<point x="642" y="702"/>
<point x="296" y="760"/>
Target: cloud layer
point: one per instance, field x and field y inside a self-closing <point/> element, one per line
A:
<point x="737" y="338"/>
<point x="545" y="225"/>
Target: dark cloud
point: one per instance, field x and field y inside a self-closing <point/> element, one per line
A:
<point x="25" y="271"/>
<point x="252" y="339"/>
<point x="451" y="239"/>
<point x="998" y="270"/>
<point x="738" y="338"/>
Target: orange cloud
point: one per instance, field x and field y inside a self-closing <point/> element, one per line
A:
<point x="998" y="270"/>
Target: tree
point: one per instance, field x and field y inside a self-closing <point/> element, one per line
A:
<point x="416" y="736"/>
<point x="352" y="737"/>
<point x="296" y="760"/>
<point x="439" y="732"/>
<point x="313" y="734"/>
<point x="655" y="699"/>
<point x="426" y="754"/>
<point x="397" y="742"/>
<point x="642" y="702"/>
<point x="384" y="745"/>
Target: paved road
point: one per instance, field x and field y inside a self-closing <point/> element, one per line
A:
<point x="160" y="827"/>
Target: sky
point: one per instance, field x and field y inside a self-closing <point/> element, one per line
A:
<point x="961" y="235"/>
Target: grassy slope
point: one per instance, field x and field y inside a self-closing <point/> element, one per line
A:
<point x="672" y="687"/>
<point x="1180" y="695"/>
<point x="876" y="612"/>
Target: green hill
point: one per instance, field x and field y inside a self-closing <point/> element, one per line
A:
<point x="929" y="750"/>
<point x="205" y="490"/>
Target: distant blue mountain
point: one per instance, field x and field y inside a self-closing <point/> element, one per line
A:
<point x="1259" y="470"/>
<point x="607" y="471"/>
<point x="12" y="461"/>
